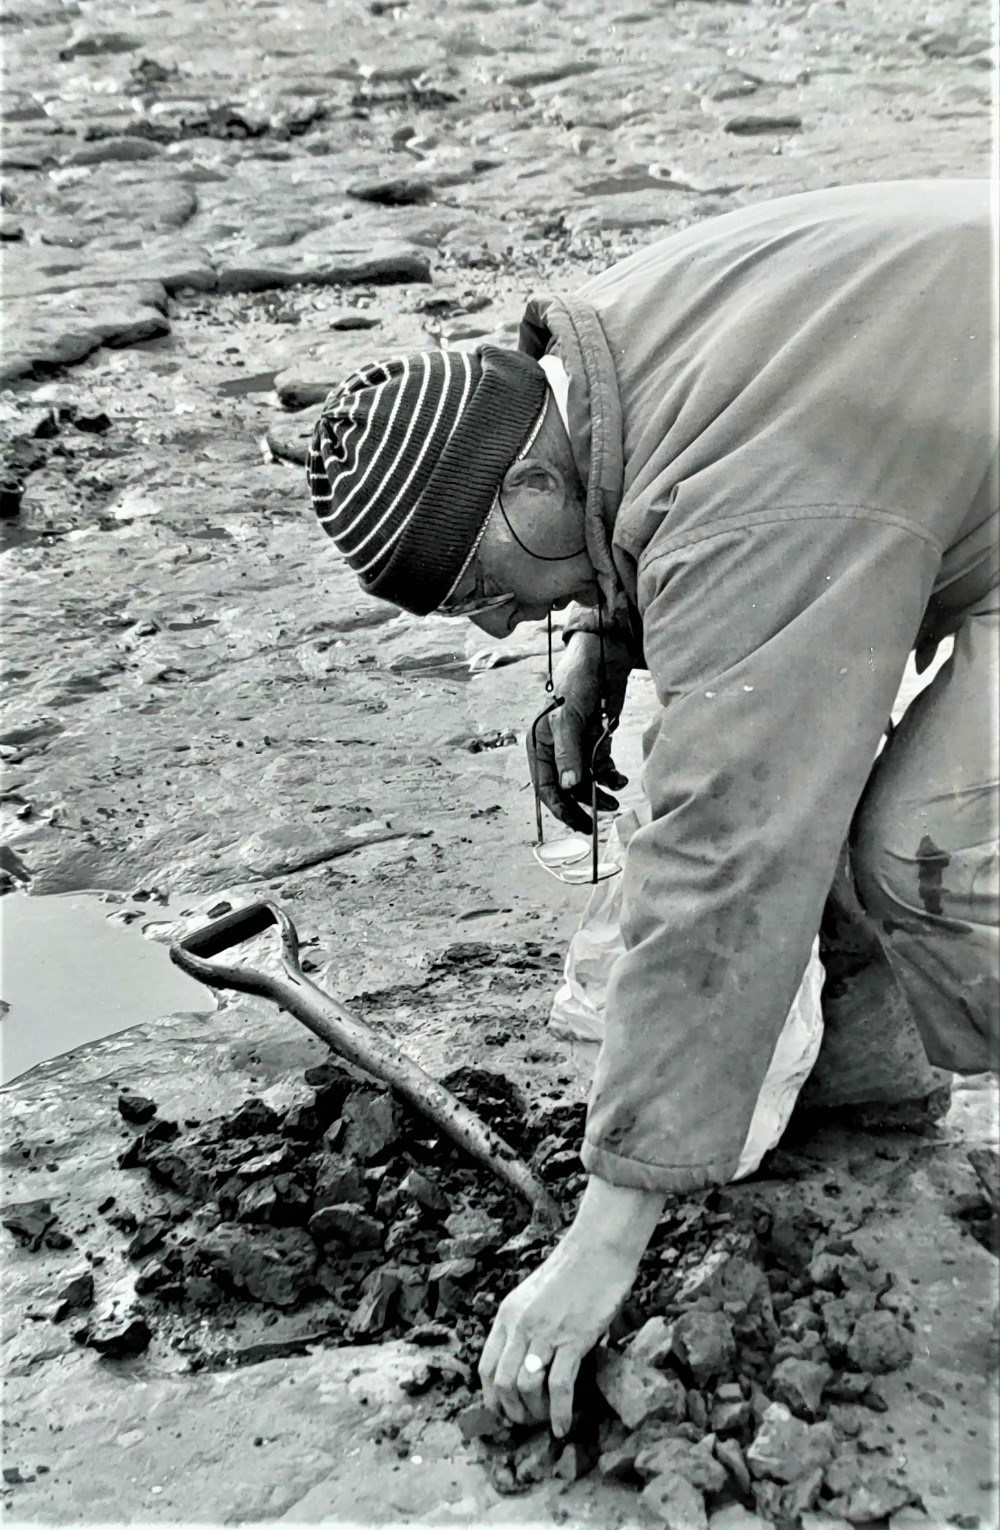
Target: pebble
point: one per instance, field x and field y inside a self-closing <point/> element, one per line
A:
<point x="753" y="124"/>
<point x="800" y="1384"/>
<point x="347" y="1224"/>
<point x="638" y="1392"/>
<point x="705" y="1344"/>
<point x="674" y="1503"/>
<point x="879" y="1344"/>
<point x="786" y="1448"/>
<point x="117" y="1337"/>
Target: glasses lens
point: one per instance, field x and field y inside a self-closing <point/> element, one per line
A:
<point x="577" y="874"/>
<point x="563" y="852"/>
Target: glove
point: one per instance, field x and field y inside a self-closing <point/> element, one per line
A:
<point x="565" y="739"/>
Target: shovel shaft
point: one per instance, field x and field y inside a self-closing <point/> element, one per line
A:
<point x="350" y="1038"/>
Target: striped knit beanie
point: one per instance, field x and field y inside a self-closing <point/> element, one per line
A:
<point x="406" y="461"/>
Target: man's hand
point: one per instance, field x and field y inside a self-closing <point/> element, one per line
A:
<point x="565" y="739"/>
<point x="556" y="1316"/>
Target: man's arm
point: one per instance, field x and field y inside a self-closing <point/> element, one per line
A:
<point x="776" y="648"/>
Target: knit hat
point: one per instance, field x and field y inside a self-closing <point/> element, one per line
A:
<point x="406" y="461"/>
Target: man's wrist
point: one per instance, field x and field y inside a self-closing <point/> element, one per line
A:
<point x="617" y="1217"/>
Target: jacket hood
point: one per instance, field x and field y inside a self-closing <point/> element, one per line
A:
<point x="572" y="329"/>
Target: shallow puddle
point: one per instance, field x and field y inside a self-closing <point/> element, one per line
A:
<point x="68" y="976"/>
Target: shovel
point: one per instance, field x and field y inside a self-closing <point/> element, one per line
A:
<point x="349" y="1038"/>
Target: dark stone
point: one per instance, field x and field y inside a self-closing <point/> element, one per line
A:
<point x="421" y="1191"/>
<point x="29" y="1221"/>
<point x="339" y="1181"/>
<point x="96" y="424"/>
<point x="281" y="1201"/>
<point x="347" y="1224"/>
<point x="372" y="1121"/>
<point x="135" y="1108"/>
<point x="253" y="1119"/>
<point x="534" y="1459"/>
<point x="732" y="1458"/>
<point x="429" y="1334"/>
<point x="73" y="1293"/>
<point x="149" y="1236"/>
<point x="379" y="1293"/>
<point x="139" y="1149"/>
<point x="118" y="1336"/>
<point x="301" y="1123"/>
<point x="752" y="124"/>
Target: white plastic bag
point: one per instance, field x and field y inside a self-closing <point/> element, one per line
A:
<point x="578" y="1007"/>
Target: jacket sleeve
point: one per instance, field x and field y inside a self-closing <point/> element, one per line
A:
<point x="620" y="627"/>
<point x="776" y="645"/>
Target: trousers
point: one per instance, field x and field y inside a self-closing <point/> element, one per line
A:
<point x="924" y="853"/>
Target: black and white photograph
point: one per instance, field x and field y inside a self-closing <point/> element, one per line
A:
<point x="500" y="742"/>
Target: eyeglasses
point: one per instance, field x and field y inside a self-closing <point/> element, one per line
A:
<point x="573" y="858"/>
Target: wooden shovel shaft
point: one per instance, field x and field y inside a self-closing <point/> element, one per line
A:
<point x="351" y="1039"/>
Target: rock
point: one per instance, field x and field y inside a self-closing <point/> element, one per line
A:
<point x="534" y="1460"/>
<point x="421" y="1191"/>
<point x="472" y="1232"/>
<point x="638" y="1392"/>
<point x="429" y="1334"/>
<point x="339" y="1180"/>
<point x="372" y="1121"/>
<point x="253" y="1118"/>
<point x="879" y="1344"/>
<point x="148" y="1236"/>
<point x="574" y="1462"/>
<point x="729" y="1414"/>
<point x="90" y="44"/>
<point x="301" y="1122"/>
<point x="652" y="1344"/>
<point x="799" y="1384"/>
<point x="11" y="228"/>
<point x="289" y="440"/>
<point x="786" y="1448"/>
<point x="798" y="1497"/>
<point x="347" y="1224"/>
<point x="141" y="1147"/>
<point x="754" y="123"/>
<point x="695" y="1462"/>
<point x="118" y="1336"/>
<point x="864" y="1490"/>
<point x="74" y="1292"/>
<point x="276" y="1268"/>
<point x="549" y="73"/>
<point x="58" y="329"/>
<point x="673" y="1502"/>
<point x="125" y="150"/>
<point x="392" y="191"/>
<point x="372" y="263"/>
<point x="280" y="1201"/>
<point x="732" y="1458"/>
<point x="477" y="1422"/>
<point x="379" y="1292"/>
<point x="705" y="1344"/>
<point x="11" y="494"/>
<point x="449" y="1275"/>
<point x="29" y="1221"/>
<point x="735" y="1517"/>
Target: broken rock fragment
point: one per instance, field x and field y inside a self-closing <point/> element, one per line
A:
<point x="117" y="1336"/>
<point x="786" y="1449"/>
<point x="347" y="1224"/>
<point x="695" y="1462"/>
<point x="637" y="1392"/>
<point x="672" y="1501"/>
<point x="372" y="1124"/>
<point x="137" y="1109"/>
<point x="705" y="1344"/>
<point x="799" y="1384"/>
<point x="380" y="1292"/>
<point x="29" y="1221"/>
<point x="879" y="1344"/>
<point x="652" y="1344"/>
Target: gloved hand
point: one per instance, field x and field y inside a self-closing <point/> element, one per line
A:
<point x="565" y="739"/>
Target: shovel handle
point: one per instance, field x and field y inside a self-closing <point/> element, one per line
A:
<point x="194" y="952"/>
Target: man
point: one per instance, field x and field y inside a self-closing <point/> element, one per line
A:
<point x="765" y="449"/>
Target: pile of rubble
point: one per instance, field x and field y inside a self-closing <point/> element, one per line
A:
<point x="743" y="1369"/>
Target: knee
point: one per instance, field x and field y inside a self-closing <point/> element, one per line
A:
<point x="898" y="871"/>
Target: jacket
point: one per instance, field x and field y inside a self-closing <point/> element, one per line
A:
<point x="786" y="421"/>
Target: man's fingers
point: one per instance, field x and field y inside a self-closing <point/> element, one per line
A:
<point x="504" y="1395"/>
<point x="562" y="1384"/>
<point x="562" y="806"/>
<point x="531" y="1379"/>
<point x="492" y="1350"/>
<point x="568" y="731"/>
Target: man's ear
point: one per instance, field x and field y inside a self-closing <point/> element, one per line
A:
<point x="534" y="476"/>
